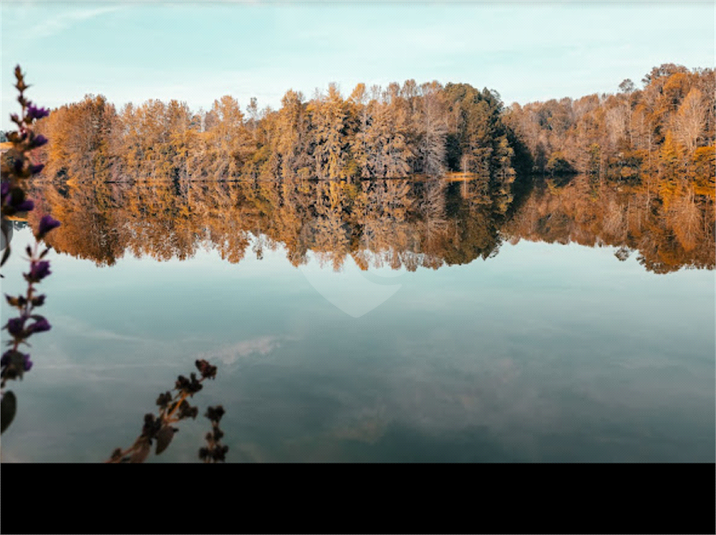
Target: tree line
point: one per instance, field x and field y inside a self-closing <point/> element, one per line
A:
<point x="664" y="130"/>
<point x="662" y="135"/>
<point x="398" y="131"/>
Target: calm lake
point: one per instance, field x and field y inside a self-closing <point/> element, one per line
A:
<point x="384" y="321"/>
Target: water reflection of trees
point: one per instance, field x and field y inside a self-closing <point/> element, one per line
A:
<point x="396" y="223"/>
<point x="670" y="227"/>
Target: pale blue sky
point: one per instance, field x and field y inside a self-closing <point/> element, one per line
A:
<point x="198" y="52"/>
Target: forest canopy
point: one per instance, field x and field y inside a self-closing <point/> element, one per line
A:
<point x="373" y="133"/>
<point x="662" y="132"/>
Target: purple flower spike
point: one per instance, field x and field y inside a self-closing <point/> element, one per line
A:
<point x="34" y="169"/>
<point x="7" y="358"/>
<point x="39" y="141"/>
<point x="25" y="206"/>
<point x="5" y="189"/>
<point x="47" y="223"/>
<point x="40" y="326"/>
<point x="14" y="326"/>
<point x="33" y="112"/>
<point x="39" y="270"/>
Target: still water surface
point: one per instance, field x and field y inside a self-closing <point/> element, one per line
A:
<point x="538" y="352"/>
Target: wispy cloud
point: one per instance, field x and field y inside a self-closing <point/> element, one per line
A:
<point x="64" y="21"/>
<point x="262" y="345"/>
<point x="198" y="52"/>
<point x="80" y="328"/>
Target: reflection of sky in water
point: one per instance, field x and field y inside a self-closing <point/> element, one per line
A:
<point x="544" y="353"/>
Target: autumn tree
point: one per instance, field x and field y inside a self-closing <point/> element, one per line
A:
<point x="329" y="134"/>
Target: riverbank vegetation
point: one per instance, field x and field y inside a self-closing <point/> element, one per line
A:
<point x="660" y="131"/>
<point x="634" y="169"/>
<point x="378" y="133"/>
